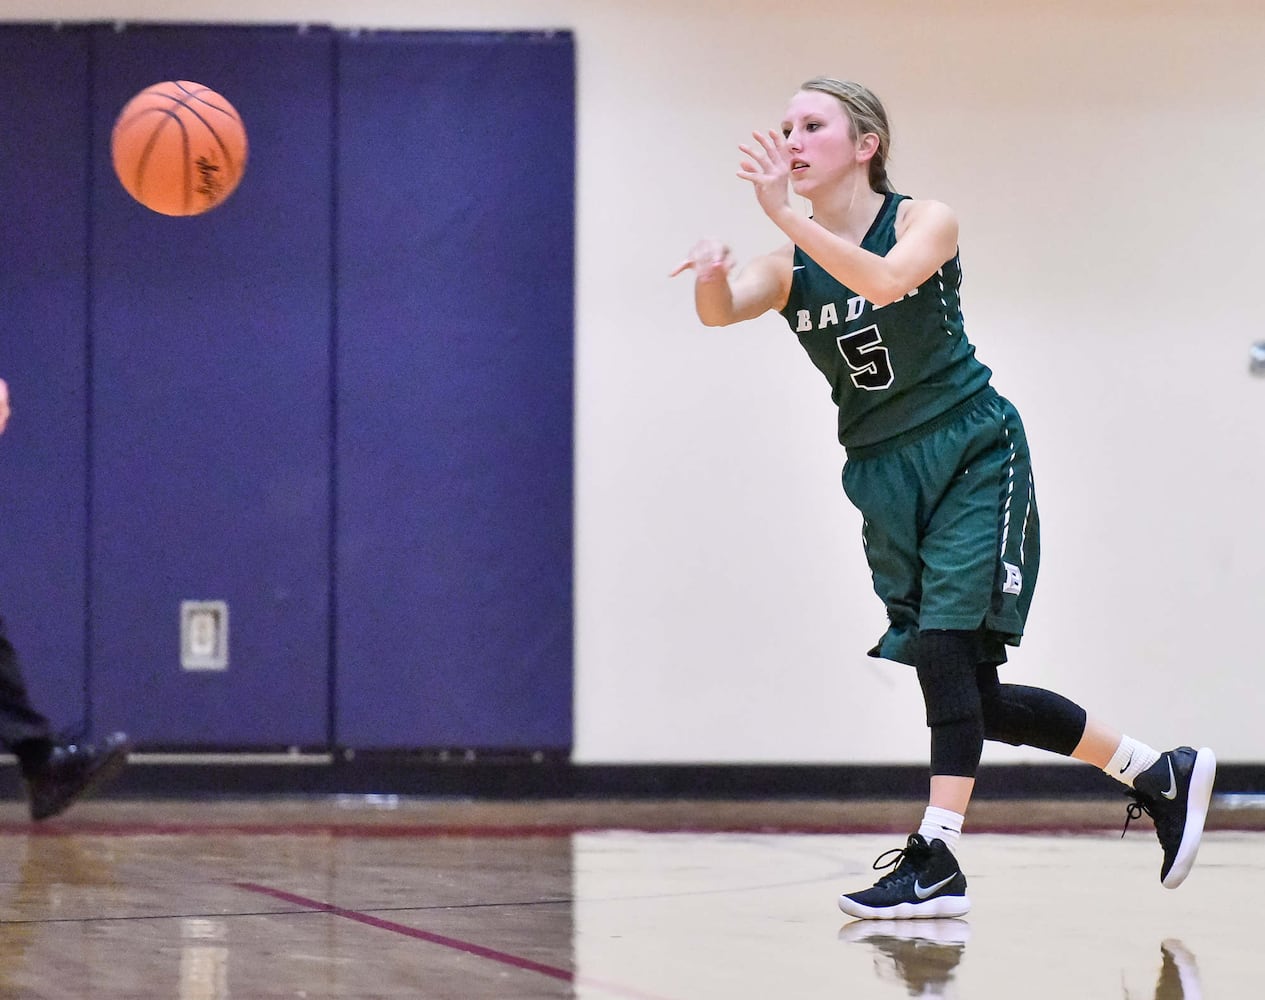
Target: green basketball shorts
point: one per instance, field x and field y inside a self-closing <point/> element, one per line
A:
<point x="950" y="526"/>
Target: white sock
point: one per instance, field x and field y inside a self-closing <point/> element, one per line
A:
<point x="942" y="824"/>
<point x="1130" y="759"/>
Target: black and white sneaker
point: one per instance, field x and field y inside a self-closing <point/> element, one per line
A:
<point x="1175" y="792"/>
<point x="925" y="882"/>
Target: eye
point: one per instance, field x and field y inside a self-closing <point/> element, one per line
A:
<point x="812" y="127"/>
<point x="786" y="132"/>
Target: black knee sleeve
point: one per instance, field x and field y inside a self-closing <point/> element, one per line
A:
<point x="946" y="674"/>
<point x="950" y="692"/>
<point x="1029" y="716"/>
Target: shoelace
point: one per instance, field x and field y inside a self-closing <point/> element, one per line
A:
<point x="1134" y="810"/>
<point x="910" y="852"/>
<point x="1165" y="825"/>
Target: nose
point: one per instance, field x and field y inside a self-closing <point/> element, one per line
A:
<point x="792" y="141"/>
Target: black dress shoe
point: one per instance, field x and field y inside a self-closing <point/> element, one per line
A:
<point x="72" y="771"/>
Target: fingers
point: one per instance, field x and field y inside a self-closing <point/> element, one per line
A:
<point x="706" y="257"/>
<point x="766" y="157"/>
<point x="772" y="146"/>
<point x="757" y="157"/>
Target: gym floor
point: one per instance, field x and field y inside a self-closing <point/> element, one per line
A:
<point x="377" y="897"/>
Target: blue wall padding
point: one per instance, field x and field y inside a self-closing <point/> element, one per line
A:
<point x="211" y="402"/>
<point x="341" y="401"/>
<point x="43" y="344"/>
<point x="455" y="331"/>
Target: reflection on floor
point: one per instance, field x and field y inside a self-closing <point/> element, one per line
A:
<point x="382" y="898"/>
<point x="923" y="955"/>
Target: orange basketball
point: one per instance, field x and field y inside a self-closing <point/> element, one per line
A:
<point x="179" y="148"/>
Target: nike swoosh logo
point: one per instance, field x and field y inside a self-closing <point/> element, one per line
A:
<point x="1172" y="783"/>
<point x="931" y="890"/>
<point x="798" y="267"/>
<point x="1127" y="763"/>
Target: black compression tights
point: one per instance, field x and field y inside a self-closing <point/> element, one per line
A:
<point x="967" y="704"/>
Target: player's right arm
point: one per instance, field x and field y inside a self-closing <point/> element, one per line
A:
<point x="723" y="296"/>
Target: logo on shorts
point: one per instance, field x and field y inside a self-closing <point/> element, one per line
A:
<point x="1013" y="583"/>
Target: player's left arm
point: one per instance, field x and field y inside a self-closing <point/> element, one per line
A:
<point x="926" y="237"/>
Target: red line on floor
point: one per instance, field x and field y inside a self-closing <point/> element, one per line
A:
<point x="469" y="947"/>
<point x="413" y="932"/>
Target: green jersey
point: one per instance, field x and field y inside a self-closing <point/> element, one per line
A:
<point x="891" y="368"/>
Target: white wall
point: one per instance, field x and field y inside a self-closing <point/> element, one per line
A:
<point x="1106" y="161"/>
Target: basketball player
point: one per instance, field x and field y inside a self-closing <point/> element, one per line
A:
<point x="937" y="464"/>
<point x="54" y="774"/>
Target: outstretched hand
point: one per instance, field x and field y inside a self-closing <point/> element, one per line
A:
<point x="768" y="168"/>
<point x="710" y="260"/>
<point x="4" y="404"/>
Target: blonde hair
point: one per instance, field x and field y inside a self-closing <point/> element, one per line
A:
<point x="865" y="112"/>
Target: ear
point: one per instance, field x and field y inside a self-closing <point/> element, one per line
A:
<point x="867" y="146"/>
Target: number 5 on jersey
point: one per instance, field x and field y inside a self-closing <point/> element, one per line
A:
<point x="865" y="354"/>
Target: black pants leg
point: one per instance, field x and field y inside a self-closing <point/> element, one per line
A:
<point x="23" y="730"/>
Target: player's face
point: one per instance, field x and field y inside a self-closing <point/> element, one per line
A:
<point x="819" y="137"/>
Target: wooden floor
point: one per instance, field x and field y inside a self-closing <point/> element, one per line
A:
<point x="372" y="897"/>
